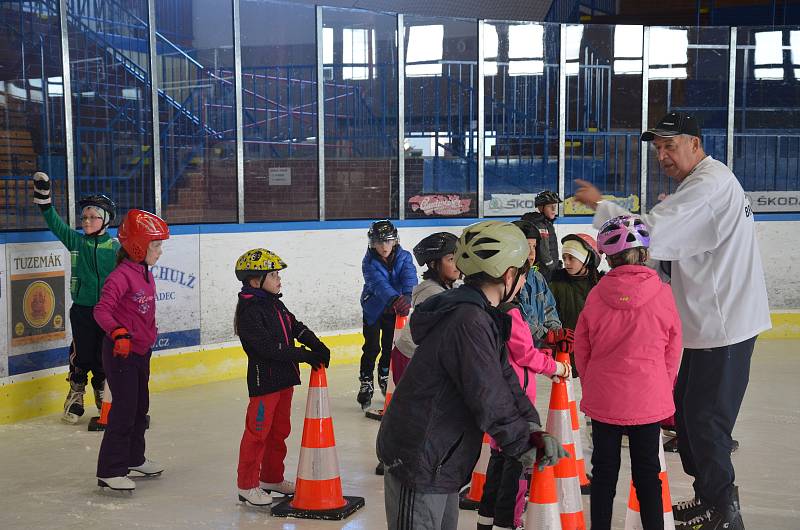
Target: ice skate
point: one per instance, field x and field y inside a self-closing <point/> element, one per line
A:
<point x="365" y="392"/>
<point x="147" y="469"/>
<point x="284" y="487"/>
<point x="73" y="406"/>
<point x="255" y="497"/>
<point x="383" y="382"/>
<point x="98" y="398"/>
<point x="117" y="483"/>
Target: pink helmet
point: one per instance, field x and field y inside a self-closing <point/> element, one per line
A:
<point x="622" y="233"/>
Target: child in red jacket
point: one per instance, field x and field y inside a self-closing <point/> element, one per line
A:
<point x="627" y="350"/>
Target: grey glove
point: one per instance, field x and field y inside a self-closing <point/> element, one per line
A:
<point x="546" y="450"/>
<point x="41" y="189"/>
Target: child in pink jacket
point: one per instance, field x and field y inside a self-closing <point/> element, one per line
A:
<point x="503" y="499"/>
<point x="627" y="350"/>
<point x="127" y="313"/>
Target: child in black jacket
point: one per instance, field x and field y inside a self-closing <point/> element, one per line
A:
<point x="267" y="331"/>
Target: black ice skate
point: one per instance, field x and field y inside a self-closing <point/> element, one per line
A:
<point x="383" y="382"/>
<point x="98" y="398"/>
<point x="727" y="518"/>
<point x="73" y="406"/>
<point x="365" y="392"/>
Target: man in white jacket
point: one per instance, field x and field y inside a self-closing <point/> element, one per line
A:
<point x="706" y="231"/>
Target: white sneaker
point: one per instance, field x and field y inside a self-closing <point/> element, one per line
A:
<point x="285" y="486"/>
<point x="255" y="497"/>
<point x="117" y="483"/>
<point x="147" y="469"/>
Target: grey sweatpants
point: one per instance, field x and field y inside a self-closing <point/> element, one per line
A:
<point x="407" y="509"/>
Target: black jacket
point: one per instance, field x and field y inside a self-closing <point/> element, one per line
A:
<point x="547" y="256"/>
<point x="267" y="331"/>
<point x="458" y="386"/>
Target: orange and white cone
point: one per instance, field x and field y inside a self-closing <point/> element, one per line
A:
<point x="470" y="497"/>
<point x="98" y="423"/>
<point x="559" y="424"/>
<point x="377" y="414"/>
<point x="543" y="512"/>
<point x="318" y="492"/>
<point x="633" y="518"/>
<point x="577" y="439"/>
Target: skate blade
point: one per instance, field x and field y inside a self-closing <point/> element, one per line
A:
<point x="249" y="504"/>
<point x="141" y="474"/>
<point x="70" y="418"/>
<point x="106" y="487"/>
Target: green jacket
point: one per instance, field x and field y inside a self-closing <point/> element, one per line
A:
<point x="92" y="258"/>
<point x="570" y="293"/>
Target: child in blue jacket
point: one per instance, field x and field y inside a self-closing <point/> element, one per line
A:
<point x="389" y="278"/>
<point x="535" y="298"/>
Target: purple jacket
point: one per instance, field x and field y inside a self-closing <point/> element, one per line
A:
<point x="627" y="348"/>
<point x="128" y="300"/>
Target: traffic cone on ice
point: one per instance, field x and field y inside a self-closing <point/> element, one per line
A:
<point x="377" y="414"/>
<point x="318" y="491"/>
<point x="470" y="497"/>
<point x="577" y="439"/>
<point x="633" y="518"/>
<point x="559" y="424"/>
<point x="98" y="423"/>
<point x="542" y="512"/>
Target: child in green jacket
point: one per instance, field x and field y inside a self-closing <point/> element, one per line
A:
<point x="93" y="255"/>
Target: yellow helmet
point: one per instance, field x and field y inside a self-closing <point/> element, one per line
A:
<point x="491" y="247"/>
<point x="256" y="262"/>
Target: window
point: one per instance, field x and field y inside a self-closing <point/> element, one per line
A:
<point x="628" y="50"/>
<point x="526" y="50"/>
<point x="768" y="60"/>
<point x="574" y="37"/>
<point x="425" y="51"/>
<point x="356" y="51"/>
<point x="668" y="53"/>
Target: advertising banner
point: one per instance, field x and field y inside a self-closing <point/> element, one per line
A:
<point x="178" y="293"/>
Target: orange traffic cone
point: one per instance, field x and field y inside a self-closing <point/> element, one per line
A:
<point x="580" y="463"/>
<point x="542" y="512"/>
<point x="633" y="518"/>
<point x="559" y="424"/>
<point x="377" y="414"/>
<point x="98" y="423"/>
<point x="470" y="497"/>
<point x="318" y="493"/>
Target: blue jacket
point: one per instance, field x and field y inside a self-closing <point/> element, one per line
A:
<point x="382" y="285"/>
<point x="538" y="306"/>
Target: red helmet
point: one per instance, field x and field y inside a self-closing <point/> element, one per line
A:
<point x="138" y="229"/>
<point x="587" y="241"/>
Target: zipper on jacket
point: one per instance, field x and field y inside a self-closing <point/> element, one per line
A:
<point x="96" y="270"/>
<point x="448" y="454"/>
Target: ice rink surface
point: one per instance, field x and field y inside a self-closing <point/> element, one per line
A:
<point x="47" y="468"/>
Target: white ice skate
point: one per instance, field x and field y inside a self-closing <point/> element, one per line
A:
<point x="147" y="469"/>
<point x="255" y="497"/>
<point x="286" y="487"/>
<point x="73" y="406"/>
<point x="117" y="483"/>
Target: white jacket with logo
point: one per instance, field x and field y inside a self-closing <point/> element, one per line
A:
<point x="706" y="229"/>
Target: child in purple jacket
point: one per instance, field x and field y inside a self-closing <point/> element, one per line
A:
<point x="627" y="349"/>
<point x="127" y="313"/>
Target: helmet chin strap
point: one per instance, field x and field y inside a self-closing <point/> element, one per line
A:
<point x="508" y="295"/>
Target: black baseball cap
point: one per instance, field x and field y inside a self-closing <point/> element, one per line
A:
<point x="673" y="124"/>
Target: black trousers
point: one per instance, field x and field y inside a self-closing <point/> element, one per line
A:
<point x="378" y="340"/>
<point x="86" y="350"/>
<point x="500" y="491"/>
<point x="645" y="468"/>
<point x="708" y="394"/>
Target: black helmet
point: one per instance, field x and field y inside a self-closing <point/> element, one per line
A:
<point x="528" y="228"/>
<point x="99" y="201"/>
<point x="382" y="231"/>
<point x="435" y="246"/>
<point x="547" y="197"/>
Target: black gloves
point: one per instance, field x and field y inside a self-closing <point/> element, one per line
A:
<point x="308" y="338"/>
